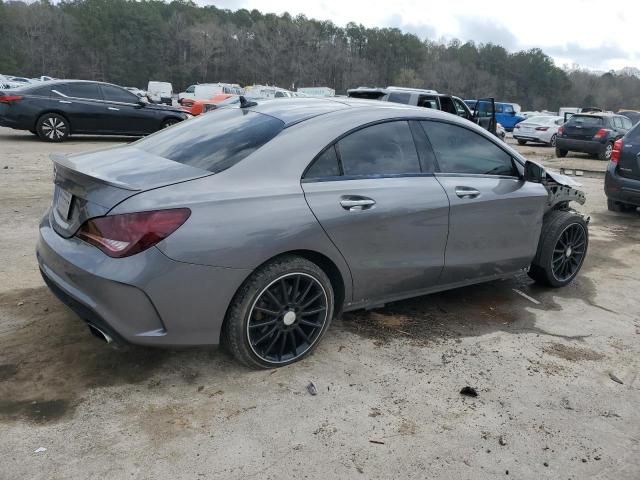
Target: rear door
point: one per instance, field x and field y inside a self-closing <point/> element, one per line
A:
<point x="629" y="163"/>
<point x="495" y="217"/>
<point x="124" y="115"/>
<point x="381" y="205"/>
<point x="82" y="103"/>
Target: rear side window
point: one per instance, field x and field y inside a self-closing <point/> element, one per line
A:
<point x="428" y="102"/>
<point x="626" y="123"/>
<point x="215" y="141"/>
<point x="80" y="90"/>
<point x="326" y="165"/>
<point x="459" y="150"/>
<point x="115" y="94"/>
<point x="41" y="91"/>
<point x="382" y="149"/>
<point x="400" y="97"/>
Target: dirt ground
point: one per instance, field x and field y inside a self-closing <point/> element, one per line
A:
<point x="388" y="402"/>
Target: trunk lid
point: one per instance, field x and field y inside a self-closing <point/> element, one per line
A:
<point x="583" y="127"/>
<point x="90" y="184"/>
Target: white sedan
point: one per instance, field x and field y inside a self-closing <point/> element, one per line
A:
<point x="542" y="129"/>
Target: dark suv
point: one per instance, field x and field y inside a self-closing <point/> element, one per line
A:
<point x="55" y="109"/>
<point x="593" y="133"/>
<point x="622" y="181"/>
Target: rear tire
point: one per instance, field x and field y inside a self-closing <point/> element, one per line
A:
<point x="605" y="153"/>
<point x="168" y="122"/>
<point x="279" y="314"/>
<point x="562" y="248"/>
<point x="522" y="142"/>
<point x="561" y="153"/>
<point x="52" y="127"/>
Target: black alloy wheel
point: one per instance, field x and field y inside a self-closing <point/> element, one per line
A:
<point x="287" y="318"/>
<point x="569" y="252"/>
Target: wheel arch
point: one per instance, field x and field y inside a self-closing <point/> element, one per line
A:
<point x="57" y="112"/>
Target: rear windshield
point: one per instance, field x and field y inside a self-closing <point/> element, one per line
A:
<point x="586" y="121"/>
<point x="214" y="141"/>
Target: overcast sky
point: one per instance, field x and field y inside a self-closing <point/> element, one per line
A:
<point x="595" y="34"/>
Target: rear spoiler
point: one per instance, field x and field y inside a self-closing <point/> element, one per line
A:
<point x="61" y="160"/>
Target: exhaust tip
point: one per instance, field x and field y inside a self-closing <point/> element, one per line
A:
<point x="96" y="332"/>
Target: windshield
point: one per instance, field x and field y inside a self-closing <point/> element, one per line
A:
<point x="215" y="141"/>
<point x="585" y="120"/>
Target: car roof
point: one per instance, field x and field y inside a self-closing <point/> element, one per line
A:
<point x="298" y="109"/>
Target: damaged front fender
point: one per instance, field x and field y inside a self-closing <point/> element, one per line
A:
<point x="562" y="190"/>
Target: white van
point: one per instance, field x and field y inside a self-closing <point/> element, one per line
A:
<point x="160" y="92"/>
<point x="209" y="90"/>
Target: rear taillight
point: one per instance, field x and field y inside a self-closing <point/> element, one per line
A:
<point x="10" y="98"/>
<point x="517" y="126"/>
<point x="130" y="233"/>
<point x="560" y="130"/>
<point x="601" y="133"/>
<point x="617" y="148"/>
<point x="542" y="129"/>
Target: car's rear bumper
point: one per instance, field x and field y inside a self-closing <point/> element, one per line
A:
<point x="145" y="299"/>
<point x="621" y="189"/>
<point x="585" y="146"/>
<point x="529" y="137"/>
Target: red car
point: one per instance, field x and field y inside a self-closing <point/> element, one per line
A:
<point x="196" y="106"/>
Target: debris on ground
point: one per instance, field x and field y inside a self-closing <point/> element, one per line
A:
<point x="615" y="379"/>
<point x="377" y="442"/>
<point x="502" y="441"/>
<point x="40" y="450"/>
<point x="469" y="391"/>
<point x="311" y="388"/>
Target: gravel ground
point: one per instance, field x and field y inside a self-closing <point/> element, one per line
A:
<point x="388" y="380"/>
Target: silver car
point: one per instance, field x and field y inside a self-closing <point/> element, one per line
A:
<point x="255" y="226"/>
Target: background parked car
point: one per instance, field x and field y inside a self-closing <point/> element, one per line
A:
<point x="206" y="91"/>
<point x="632" y="115"/>
<point x="542" y="129"/>
<point x="6" y="83"/>
<point x="592" y="133"/>
<point x="507" y="114"/>
<point x="137" y="91"/>
<point x="160" y="92"/>
<point x="196" y="106"/>
<point x="622" y="180"/>
<point x="58" y="108"/>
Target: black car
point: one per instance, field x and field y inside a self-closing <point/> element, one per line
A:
<point x="622" y="180"/>
<point x="593" y="133"/>
<point x="60" y="108"/>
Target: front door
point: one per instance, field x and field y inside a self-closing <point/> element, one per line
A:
<point x="496" y="216"/>
<point x="381" y="205"/>
<point x="123" y="113"/>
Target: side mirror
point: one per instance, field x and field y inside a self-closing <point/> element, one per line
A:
<point x="533" y="172"/>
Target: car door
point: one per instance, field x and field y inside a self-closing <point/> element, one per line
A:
<point x="124" y="114"/>
<point x="82" y="104"/>
<point x="495" y="217"/>
<point x="381" y="205"/>
<point x="484" y="114"/>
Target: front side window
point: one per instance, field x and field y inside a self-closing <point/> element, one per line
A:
<point x="382" y="149"/>
<point x="215" y="141"/>
<point x="508" y="109"/>
<point x="626" y="123"/>
<point x="459" y="150"/>
<point x="116" y="94"/>
<point x="190" y="89"/>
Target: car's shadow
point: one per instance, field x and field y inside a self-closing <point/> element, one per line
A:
<point x="22" y="136"/>
<point x="49" y="362"/>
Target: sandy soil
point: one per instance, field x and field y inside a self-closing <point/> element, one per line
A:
<point x="547" y="406"/>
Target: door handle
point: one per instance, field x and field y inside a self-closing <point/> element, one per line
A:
<point x="467" y="192"/>
<point x="114" y="109"/>
<point x="354" y="204"/>
<point x="64" y="101"/>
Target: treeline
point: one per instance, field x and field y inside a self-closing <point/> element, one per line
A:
<point x="130" y="42"/>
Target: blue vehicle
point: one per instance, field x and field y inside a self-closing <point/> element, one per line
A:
<point x="507" y="114"/>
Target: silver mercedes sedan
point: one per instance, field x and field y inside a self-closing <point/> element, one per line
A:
<point x="255" y="226"/>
